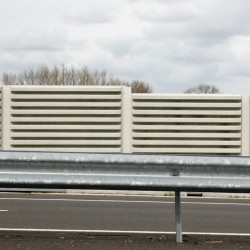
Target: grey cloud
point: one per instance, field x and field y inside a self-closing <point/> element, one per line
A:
<point x="168" y="12"/>
<point x="93" y="17"/>
<point x="92" y="13"/>
<point x="35" y="39"/>
<point x="119" y="47"/>
<point x="158" y="1"/>
<point x="21" y="60"/>
<point x="210" y="22"/>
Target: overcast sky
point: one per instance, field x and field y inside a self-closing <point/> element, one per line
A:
<point x="171" y="44"/>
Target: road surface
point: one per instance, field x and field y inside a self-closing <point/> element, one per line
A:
<point x="148" y="218"/>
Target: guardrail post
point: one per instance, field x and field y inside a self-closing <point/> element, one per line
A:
<point x="6" y="118"/>
<point x="126" y="120"/>
<point x="178" y="216"/>
<point x="245" y="126"/>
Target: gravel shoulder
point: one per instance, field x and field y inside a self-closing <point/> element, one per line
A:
<point x="49" y="241"/>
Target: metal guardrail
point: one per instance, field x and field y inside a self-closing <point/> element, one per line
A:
<point x="126" y="172"/>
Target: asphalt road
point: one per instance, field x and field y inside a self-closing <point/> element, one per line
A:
<point x="123" y="213"/>
<point x="107" y="215"/>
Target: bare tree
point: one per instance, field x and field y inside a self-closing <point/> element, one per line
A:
<point x="140" y="87"/>
<point x="9" y="79"/>
<point x="63" y="75"/>
<point x="203" y="89"/>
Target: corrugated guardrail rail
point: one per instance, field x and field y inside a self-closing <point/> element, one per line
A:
<point x="126" y="172"/>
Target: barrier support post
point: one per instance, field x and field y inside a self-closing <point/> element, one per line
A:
<point x="126" y="120"/>
<point x="6" y="118"/>
<point x="245" y="126"/>
<point x="178" y="216"/>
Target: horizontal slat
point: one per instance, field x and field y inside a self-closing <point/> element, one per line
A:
<point x="184" y="127"/>
<point x="65" y="112"/>
<point x="65" y="97"/>
<point x="185" y="143"/>
<point x="76" y="149"/>
<point x="185" y="105"/>
<point x="66" y="104"/>
<point x="190" y="120"/>
<point x="188" y="112"/>
<point x="68" y="88"/>
<point x="188" y="150"/>
<point x="65" y="135"/>
<point x="66" y="119"/>
<point x="63" y="127"/>
<point x="185" y="97"/>
<point x="66" y="142"/>
<point x="187" y="135"/>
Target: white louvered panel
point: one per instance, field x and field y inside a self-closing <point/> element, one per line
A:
<point x="186" y="124"/>
<point x="80" y="119"/>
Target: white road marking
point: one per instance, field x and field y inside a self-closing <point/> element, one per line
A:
<point x="4" y="210"/>
<point x="130" y="201"/>
<point x="216" y="203"/>
<point x="217" y="234"/>
<point x="118" y="232"/>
